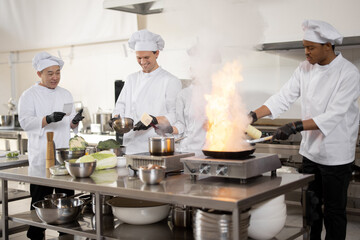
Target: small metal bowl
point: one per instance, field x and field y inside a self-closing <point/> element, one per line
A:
<point x="58" y="211"/>
<point x="63" y="154"/>
<point x="123" y="125"/>
<point x="151" y="176"/>
<point x="80" y="170"/>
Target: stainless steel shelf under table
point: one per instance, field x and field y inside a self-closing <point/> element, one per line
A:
<point x="221" y="194"/>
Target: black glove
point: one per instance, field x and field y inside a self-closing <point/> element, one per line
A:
<point x="78" y="117"/>
<point x="55" y="117"/>
<point x="253" y="116"/>
<point x="285" y="131"/>
<point x="140" y="126"/>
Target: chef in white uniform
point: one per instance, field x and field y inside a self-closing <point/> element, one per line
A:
<point x="151" y="90"/>
<point x="40" y="111"/>
<point x="191" y="120"/>
<point x="328" y="85"/>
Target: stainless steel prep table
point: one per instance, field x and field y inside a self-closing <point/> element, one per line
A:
<point x="5" y="163"/>
<point x="14" y="194"/>
<point x="20" y="161"/>
<point x="221" y="194"/>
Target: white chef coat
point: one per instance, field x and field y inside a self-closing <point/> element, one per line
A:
<point x="153" y="93"/>
<point x="329" y="95"/>
<point x="190" y="119"/>
<point x="34" y="104"/>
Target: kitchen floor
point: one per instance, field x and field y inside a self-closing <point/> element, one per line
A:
<point x="294" y="219"/>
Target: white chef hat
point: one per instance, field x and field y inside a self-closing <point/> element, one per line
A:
<point x="321" y="32"/>
<point x="145" y="40"/>
<point x="43" y="60"/>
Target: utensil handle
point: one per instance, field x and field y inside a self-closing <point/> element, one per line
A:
<point x="260" y="140"/>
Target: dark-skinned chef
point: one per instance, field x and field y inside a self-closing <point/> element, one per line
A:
<point x="328" y="86"/>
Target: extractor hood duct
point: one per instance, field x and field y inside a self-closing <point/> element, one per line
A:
<point x="135" y="6"/>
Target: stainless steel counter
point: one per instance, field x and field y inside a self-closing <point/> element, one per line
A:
<point x="22" y="160"/>
<point x="221" y="194"/>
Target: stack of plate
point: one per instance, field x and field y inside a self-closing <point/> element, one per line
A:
<point x="267" y="218"/>
<point x="211" y="224"/>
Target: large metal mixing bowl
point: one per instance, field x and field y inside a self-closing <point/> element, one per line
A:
<point x="80" y="170"/>
<point x="63" y="154"/>
<point x="58" y="212"/>
<point x="123" y="125"/>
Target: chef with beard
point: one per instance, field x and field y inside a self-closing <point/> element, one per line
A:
<point x="151" y="90"/>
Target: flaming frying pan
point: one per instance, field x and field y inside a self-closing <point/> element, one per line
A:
<point x="229" y="155"/>
<point x="236" y="155"/>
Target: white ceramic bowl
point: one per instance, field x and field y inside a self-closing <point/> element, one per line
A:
<point x="138" y="212"/>
<point x="272" y="202"/>
<point x="267" y="228"/>
<point x="260" y="213"/>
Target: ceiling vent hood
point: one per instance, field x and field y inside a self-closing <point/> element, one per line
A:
<point x="135" y="6"/>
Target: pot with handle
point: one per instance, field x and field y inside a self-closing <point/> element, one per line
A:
<point x="161" y="146"/>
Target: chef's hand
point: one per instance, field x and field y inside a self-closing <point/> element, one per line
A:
<point x="78" y="117"/>
<point x="140" y="126"/>
<point x="55" y="117"/>
<point x="285" y="131"/>
<point x="252" y="116"/>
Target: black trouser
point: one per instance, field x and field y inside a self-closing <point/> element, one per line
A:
<point x="37" y="193"/>
<point x="330" y="187"/>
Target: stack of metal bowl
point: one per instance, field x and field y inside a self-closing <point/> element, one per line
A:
<point x="63" y="154"/>
<point x="212" y="224"/>
<point x="59" y="211"/>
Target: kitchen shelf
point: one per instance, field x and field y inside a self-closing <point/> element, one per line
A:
<point x="348" y="41"/>
<point x="81" y="227"/>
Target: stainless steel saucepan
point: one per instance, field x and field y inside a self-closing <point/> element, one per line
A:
<point x="161" y="146"/>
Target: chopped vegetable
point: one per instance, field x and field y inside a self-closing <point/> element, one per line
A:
<point x="108" y="144"/>
<point x="86" y="158"/>
<point x="77" y="143"/>
<point x="12" y="154"/>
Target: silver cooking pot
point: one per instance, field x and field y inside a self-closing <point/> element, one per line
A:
<point x="102" y="119"/>
<point x="161" y="146"/>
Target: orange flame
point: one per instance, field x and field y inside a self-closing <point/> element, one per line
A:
<point x="225" y="111"/>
